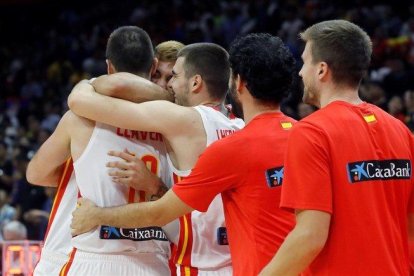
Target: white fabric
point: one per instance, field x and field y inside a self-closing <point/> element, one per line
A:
<point x="95" y="184"/>
<point x="141" y="264"/>
<point x="207" y="254"/>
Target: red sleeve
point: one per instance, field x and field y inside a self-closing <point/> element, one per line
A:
<point x="214" y="172"/>
<point x="307" y="184"/>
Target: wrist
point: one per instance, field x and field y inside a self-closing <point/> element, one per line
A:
<point x="161" y="190"/>
<point x="156" y="184"/>
<point x="98" y="216"/>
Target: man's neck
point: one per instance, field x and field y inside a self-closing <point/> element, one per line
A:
<point x="217" y="105"/>
<point x="254" y="109"/>
<point x="345" y="94"/>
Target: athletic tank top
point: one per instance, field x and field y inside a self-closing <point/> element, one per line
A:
<point x="95" y="184"/>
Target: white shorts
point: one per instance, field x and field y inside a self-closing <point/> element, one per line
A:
<point x="223" y="271"/>
<point x="85" y="263"/>
<point x="50" y="263"/>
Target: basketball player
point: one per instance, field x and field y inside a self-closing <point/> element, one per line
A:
<point x="200" y="79"/>
<point x="57" y="246"/>
<point x="109" y="250"/>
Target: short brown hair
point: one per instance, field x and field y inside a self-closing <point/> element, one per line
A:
<point x="130" y="49"/>
<point x="167" y="51"/>
<point x="344" y="46"/>
<point x="211" y="62"/>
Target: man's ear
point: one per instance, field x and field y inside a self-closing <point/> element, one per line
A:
<point x="240" y="84"/>
<point x="110" y="67"/>
<point x="323" y="70"/>
<point x="196" y="83"/>
<point x="154" y="66"/>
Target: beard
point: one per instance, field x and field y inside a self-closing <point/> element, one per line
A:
<point x="309" y="95"/>
<point x="236" y="106"/>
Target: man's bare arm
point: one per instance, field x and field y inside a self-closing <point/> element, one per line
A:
<point x="411" y="238"/>
<point x="45" y="167"/>
<point x="155" y="116"/>
<point x="302" y="245"/>
<point x="130" y="87"/>
<point x="88" y="216"/>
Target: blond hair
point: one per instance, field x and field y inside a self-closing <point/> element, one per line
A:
<point x="167" y="51"/>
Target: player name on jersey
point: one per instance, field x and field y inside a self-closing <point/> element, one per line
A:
<point x="139" y="135"/>
<point x="221" y="133"/>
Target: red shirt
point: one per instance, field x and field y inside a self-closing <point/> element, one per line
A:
<point x="247" y="169"/>
<point x="354" y="162"/>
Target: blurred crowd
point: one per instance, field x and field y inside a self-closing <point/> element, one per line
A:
<point x="48" y="46"/>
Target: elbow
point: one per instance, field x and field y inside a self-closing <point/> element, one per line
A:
<point x="73" y="101"/>
<point x="315" y="241"/>
<point x="31" y="176"/>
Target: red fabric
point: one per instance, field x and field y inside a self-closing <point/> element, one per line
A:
<point x="368" y="232"/>
<point x="236" y="167"/>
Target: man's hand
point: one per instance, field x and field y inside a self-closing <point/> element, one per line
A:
<point x="133" y="172"/>
<point x="85" y="217"/>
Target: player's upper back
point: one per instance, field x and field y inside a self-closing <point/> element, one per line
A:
<point x="365" y="127"/>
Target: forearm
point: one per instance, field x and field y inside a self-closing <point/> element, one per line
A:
<point x="294" y="256"/>
<point x="133" y="215"/>
<point x="130" y="87"/>
<point x="411" y="238"/>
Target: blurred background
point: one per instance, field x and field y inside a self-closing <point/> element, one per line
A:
<point x="48" y="46"/>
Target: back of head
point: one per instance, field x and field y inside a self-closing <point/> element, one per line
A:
<point x="167" y="51"/>
<point x="344" y="46"/>
<point x="129" y="49"/>
<point x="14" y="230"/>
<point x="211" y="62"/>
<point x="265" y="64"/>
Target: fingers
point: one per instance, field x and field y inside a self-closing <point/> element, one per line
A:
<point x="121" y="173"/>
<point x="122" y="180"/>
<point x="126" y="155"/>
<point x="118" y="165"/>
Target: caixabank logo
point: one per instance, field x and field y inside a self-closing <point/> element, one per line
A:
<point x="274" y="176"/>
<point x="134" y="234"/>
<point x="379" y="170"/>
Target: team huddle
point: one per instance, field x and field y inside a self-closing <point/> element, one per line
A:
<point x="180" y="161"/>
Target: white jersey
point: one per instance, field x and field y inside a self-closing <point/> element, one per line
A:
<point x="57" y="246"/>
<point x="202" y="244"/>
<point x="95" y="184"/>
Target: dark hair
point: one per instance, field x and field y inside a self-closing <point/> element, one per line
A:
<point x="130" y="50"/>
<point x="265" y="63"/>
<point x="211" y="62"/>
<point x="344" y="46"/>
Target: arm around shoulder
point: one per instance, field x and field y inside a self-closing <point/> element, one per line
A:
<point x="130" y="87"/>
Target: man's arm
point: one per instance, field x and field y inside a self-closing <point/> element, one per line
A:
<point x="45" y="167"/>
<point x="130" y="87"/>
<point x="411" y="239"/>
<point x="302" y="245"/>
<point x="88" y="216"/>
<point x="155" y="116"/>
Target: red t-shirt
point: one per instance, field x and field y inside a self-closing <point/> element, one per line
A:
<point x="247" y="169"/>
<point x="354" y="162"/>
